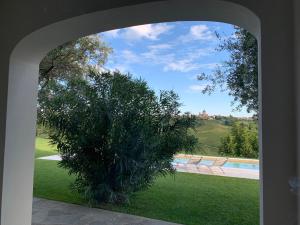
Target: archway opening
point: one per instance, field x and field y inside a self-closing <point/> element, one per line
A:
<point x="188" y="53"/>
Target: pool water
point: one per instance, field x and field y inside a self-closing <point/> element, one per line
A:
<point x="239" y="165"/>
<point x="209" y="162"/>
<point x="206" y="162"/>
<point x="180" y="161"/>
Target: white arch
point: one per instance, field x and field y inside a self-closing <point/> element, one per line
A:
<point x="22" y="92"/>
<point x="43" y="40"/>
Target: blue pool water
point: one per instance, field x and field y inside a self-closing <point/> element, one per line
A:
<point x="180" y="161"/>
<point x="248" y="166"/>
<point x="206" y="162"/>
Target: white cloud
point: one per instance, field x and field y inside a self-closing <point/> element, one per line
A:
<point x="160" y="46"/>
<point x="197" y="87"/>
<point x="183" y="65"/>
<point x="121" y="67"/>
<point x="123" y="61"/>
<point x="169" y="60"/>
<point x="112" y="33"/>
<point x="147" y="31"/>
<point x="129" y="56"/>
<point x="198" y="32"/>
<point x="187" y="65"/>
<point x="194" y="54"/>
<point x="163" y="54"/>
<point x="201" y="32"/>
<point x="157" y="57"/>
<point x="172" y="56"/>
<point x="210" y="66"/>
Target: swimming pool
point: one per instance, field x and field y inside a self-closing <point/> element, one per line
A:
<point x="240" y="165"/>
<point x="206" y="162"/>
<point x="210" y="162"/>
<point x="180" y="161"/>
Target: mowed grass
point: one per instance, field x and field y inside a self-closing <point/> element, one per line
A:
<point x="209" y="134"/>
<point x="44" y="148"/>
<point x="183" y="198"/>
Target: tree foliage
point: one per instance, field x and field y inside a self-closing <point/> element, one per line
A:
<point x="241" y="142"/>
<point x="114" y="133"/>
<point x="73" y="58"/>
<point x="239" y="74"/>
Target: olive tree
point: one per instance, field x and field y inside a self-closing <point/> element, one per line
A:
<point x="73" y="58"/>
<point x="238" y="74"/>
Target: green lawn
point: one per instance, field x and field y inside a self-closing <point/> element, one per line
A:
<point x="209" y="135"/>
<point x="184" y="198"/>
<point x="43" y="148"/>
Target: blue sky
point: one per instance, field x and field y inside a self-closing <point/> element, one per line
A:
<point x="169" y="56"/>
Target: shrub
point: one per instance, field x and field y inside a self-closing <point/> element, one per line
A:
<point x="114" y="133"/>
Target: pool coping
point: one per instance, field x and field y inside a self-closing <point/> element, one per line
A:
<point x="193" y="166"/>
<point x="228" y="159"/>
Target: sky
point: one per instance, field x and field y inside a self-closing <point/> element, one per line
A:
<point x="169" y="56"/>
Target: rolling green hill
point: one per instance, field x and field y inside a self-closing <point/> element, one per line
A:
<point x="209" y="134"/>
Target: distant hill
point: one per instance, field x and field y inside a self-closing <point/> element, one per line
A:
<point x="209" y="133"/>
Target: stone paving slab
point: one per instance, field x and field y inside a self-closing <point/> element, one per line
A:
<point x="46" y="212"/>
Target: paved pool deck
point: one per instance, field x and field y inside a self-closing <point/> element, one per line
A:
<point x="47" y="212"/>
<point x="192" y="166"/>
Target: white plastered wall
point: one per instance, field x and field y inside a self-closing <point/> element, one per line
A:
<point x="19" y="74"/>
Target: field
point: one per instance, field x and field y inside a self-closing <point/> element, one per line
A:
<point x="183" y="198"/>
<point x="209" y="134"/>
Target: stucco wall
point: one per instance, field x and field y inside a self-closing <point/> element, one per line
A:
<point x="33" y="27"/>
